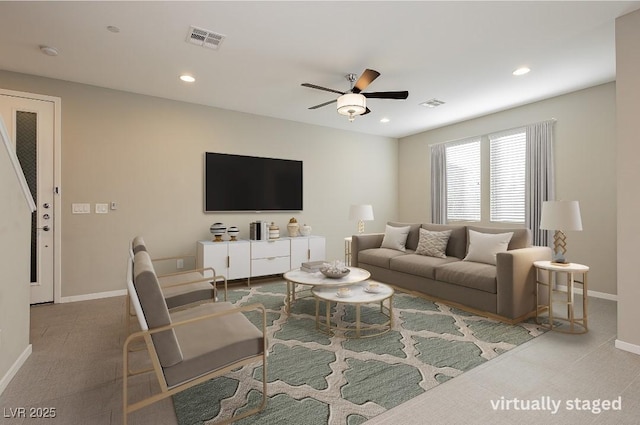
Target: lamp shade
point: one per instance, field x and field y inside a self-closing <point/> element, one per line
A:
<point x="361" y="212"/>
<point x="352" y="104"/>
<point x="561" y="215"/>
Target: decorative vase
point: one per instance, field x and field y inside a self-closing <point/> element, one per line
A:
<point x="274" y="231"/>
<point x="217" y="230"/>
<point x="293" y="227"/>
<point x="305" y="230"/>
<point x="233" y="232"/>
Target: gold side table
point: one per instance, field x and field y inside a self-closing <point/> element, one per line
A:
<point x="577" y="325"/>
<point x="347" y="251"/>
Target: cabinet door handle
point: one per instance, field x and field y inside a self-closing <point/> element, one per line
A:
<point x="228" y="261"/>
<point x="309" y="254"/>
<point x="271" y="258"/>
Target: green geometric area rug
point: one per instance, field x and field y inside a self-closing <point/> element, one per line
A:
<point x="314" y="378"/>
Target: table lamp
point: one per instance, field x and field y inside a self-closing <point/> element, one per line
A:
<point x="560" y="216"/>
<point x="361" y="213"/>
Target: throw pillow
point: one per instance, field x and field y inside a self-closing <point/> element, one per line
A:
<point x="483" y="247"/>
<point x="433" y="244"/>
<point x="395" y="237"/>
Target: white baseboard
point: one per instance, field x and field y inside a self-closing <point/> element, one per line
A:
<point x="95" y="296"/>
<point x="15" y="367"/>
<point x="632" y="348"/>
<point x="594" y="294"/>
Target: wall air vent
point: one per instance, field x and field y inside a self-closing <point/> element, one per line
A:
<point x="204" y="38"/>
<point x="432" y="103"/>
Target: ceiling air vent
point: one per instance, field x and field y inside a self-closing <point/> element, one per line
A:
<point x="432" y="103"/>
<point x="204" y="38"/>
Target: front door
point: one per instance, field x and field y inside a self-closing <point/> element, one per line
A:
<point x="30" y="123"/>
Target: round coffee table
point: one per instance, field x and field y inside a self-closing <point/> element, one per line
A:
<point x="359" y="294"/>
<point x="317" y="279"/>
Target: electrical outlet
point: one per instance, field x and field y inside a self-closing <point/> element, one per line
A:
<point x="180" y="264"/>
<point x="114" y="205"/>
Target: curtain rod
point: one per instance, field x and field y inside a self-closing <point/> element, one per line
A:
<point x="499" y="131"/>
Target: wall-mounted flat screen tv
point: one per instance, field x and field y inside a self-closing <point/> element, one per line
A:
<point x="250" y="183"/>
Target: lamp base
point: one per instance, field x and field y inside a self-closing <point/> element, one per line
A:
<point x="559" y="260"/>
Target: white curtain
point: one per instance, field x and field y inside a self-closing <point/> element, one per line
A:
<point x="540" y="178"/>
<point x="439" y="183"/>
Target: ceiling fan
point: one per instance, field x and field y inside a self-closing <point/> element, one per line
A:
<point x="354" y="101"/>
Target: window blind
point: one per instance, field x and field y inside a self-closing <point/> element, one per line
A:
<point x="463" y="180"/>
<point x="507" y="176"/>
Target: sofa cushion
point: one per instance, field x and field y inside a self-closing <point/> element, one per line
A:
<point x="457" y="244"/>
<point x="433" y="244"/>
<point x="521" y="237"/>
<point x="395" y="237"/>
<point x="413" y="236"/>
<point x="469" y="274"/>
<point x="483" y="247"/>
<point x="380" y="257"/>
<point x="419" y="265"/>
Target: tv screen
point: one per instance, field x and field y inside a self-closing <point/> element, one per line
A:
<point x="249" y="183"/>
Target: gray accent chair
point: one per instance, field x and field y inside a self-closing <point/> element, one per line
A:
<point x="189" y="346"/>
<point x="182" y="289"/>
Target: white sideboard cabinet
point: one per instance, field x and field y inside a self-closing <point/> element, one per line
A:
<point x="229" y="259"/>
<point x="307" y="248"/>
<point x="244" y="259"/>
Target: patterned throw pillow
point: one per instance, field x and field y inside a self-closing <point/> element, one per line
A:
<point x="433" y="244"/>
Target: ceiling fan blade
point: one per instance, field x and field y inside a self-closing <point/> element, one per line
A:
<point x="366" y="112"/>
<point x="313" y="86"/>
<point x="324" y="104"/>
<point x="365" y="79"/>
<point x="387" y="95"/>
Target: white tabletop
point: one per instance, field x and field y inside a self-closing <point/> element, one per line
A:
<point x="567" y="267"/>
<point x="318" y="279"/>
<point x="359" y="293"/>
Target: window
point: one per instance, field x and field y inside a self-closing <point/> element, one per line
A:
<point x="507" y="159"/>
<point x="463" y="180"/>
<point x="485" y="178"/>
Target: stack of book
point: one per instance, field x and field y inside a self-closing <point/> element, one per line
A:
<point x="312" y="266"/>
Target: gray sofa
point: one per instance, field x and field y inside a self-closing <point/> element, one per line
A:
<point x="506" y="289"/>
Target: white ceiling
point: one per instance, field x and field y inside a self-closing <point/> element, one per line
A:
<point x="460" y="52"/>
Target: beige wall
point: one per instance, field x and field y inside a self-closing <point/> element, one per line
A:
<point x="146" y="154"/>
<point x="15" y="251"/>
<point x="628" y="148"/>
<point x="585" y="169"/>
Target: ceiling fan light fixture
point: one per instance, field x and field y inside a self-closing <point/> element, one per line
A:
<point x="352" y="104"/>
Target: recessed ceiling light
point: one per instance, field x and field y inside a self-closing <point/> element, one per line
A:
<point x="187" y="78"/>
<point x="113" y="29"/>
<point x="49" y="51"/>
<point x="385" y="120"/>
<point x="521" y="71"/>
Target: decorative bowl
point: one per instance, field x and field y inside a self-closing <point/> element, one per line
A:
<point x="335" y="274"/>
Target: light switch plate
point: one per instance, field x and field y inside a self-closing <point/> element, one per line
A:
<point x="102" y="208"/>
<point x="80" y="208"/>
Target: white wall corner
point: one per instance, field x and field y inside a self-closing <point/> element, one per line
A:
<point x="625" y="346"/>
<point x="4" y="382"/>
